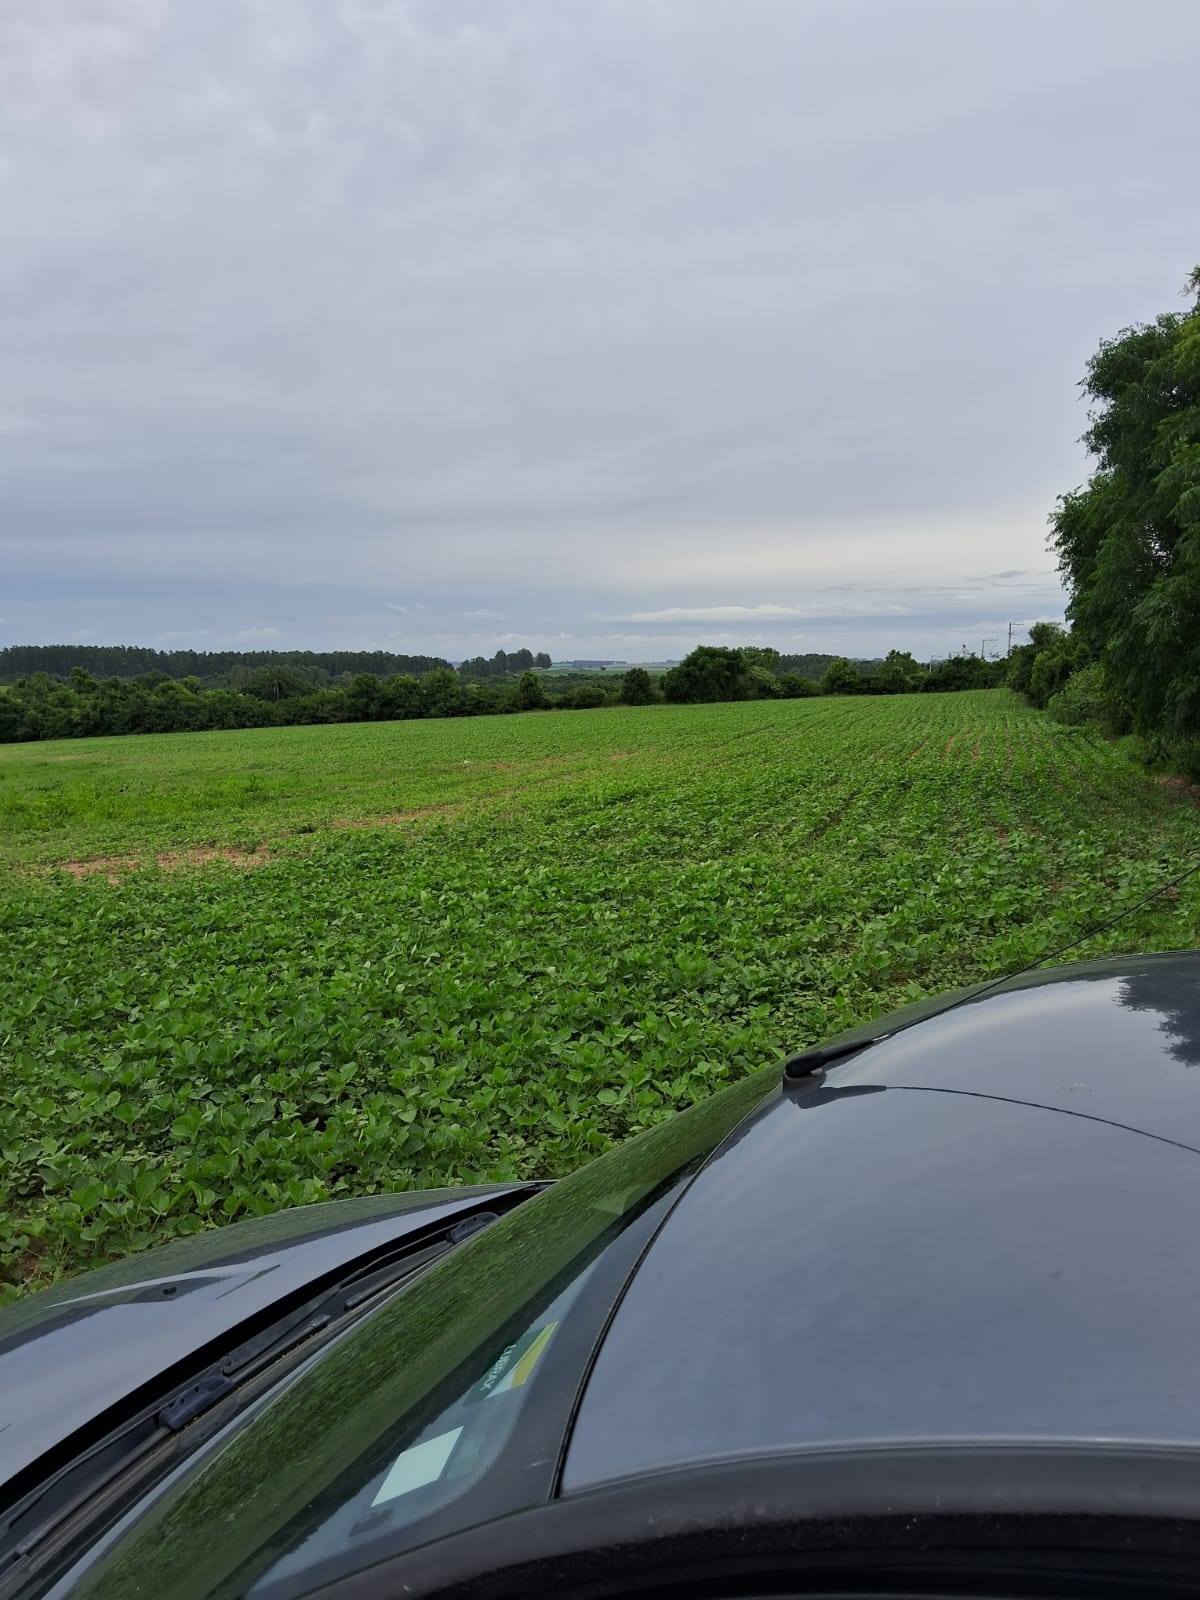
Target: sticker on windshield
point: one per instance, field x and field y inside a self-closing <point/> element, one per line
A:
<point x="522" y="1369"/>
<point x="514" y="1366"/>
<point x="415" y="1467"/>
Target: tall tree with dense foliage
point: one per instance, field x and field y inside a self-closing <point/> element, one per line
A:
<point x="1129" y="542"/>
<point x="530" y="694"/>
<point x="841" y="677"/>
<point x="1039" y="669"/>
<point x="709" y="672"/>
<point x="636" y="688"/>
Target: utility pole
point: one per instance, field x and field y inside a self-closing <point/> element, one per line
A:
<point x="983" y="648"/>
<point x="1011" y="626"/>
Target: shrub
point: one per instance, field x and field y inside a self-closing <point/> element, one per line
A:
<point x="583" y="697"/>
<point x="1086" y="699"/>
<point x="794" y="686"/>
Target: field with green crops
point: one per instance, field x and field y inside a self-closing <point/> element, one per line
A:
<point x="247" y="970"/>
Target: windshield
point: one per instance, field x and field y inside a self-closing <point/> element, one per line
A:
<point x="417" y="1472"/>
<point x="448" y="1406"/>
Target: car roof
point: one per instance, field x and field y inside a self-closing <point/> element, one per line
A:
<point x="981" y="1227"/>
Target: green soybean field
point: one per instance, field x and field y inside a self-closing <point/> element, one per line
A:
<point x="257" y="969"/>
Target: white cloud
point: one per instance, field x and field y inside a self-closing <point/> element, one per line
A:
<point x="769" y="614"/>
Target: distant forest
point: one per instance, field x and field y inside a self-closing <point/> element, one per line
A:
<point x="232" y="669"/>
<point x="215" y="669"/>
<point x="815" y="667"/>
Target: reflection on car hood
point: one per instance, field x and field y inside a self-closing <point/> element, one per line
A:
<point x="982" y="1227"/>
<point x="71" y="1352"/>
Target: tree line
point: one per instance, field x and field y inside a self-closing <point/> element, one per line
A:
<point x="215" y="669"/>
<point x="504" y="664"/>
<point x="83" y="706"/>
<point x="714" y="672"/>
<point x="1128" y="546"/>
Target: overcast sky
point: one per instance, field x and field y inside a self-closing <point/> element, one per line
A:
<point x="605" y="327"/>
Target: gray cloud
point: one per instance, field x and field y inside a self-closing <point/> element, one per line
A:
<point x="684" y="312"/>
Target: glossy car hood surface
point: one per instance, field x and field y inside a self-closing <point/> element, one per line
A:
<point x="982" y="1228"/>
<point x="71" y="1352"/>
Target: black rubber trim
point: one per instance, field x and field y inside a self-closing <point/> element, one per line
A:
<point x="1033" y="1519"/>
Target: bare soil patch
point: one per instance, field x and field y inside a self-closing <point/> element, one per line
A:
<point x="1179" y="786"/>
<point x="200" y="856"/>
<point x="115" y="868"/>
<point x="111" y="866"/>
<point x="396" y="819"/>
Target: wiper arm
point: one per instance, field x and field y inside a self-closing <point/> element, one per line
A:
<point x="106" y="1477"/>
<point x="281" y="1338"/>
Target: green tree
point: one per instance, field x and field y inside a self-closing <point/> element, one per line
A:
<point x="1044" y="638"/>
<point x="758" y="655"/>
<point x="278" y="682"/>
<point x="900" y="673"/>
<point x="636" y="688"/>
<point x="400" y="697"/>
<point x="709" y="672"/>
<point x="1054" y="665"/>
<point x="530" y="694"/>
<point x="365" y="695"/>
<point x="1129" y="542"/>
<point x="584" y="697"/>
<point x="841" y="677"/>
<point x="12" y="719"/>
<point x="442" y="694"/>
<point x="963" y="672"/>
<point x="794" y="686"/>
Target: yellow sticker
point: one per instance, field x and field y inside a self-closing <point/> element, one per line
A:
<point x="522" y="1370"/>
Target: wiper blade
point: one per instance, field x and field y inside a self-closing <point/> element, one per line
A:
<point x="281" y="1338"/>
<point x="112" y="1471"/>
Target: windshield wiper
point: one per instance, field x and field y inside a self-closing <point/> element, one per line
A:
<point x="105" y="1478"/>
<point x="252" y="1356"/>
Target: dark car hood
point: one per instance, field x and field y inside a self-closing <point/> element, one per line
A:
<point x="979" y="1227"/>
<point x="70" y="1353"/>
